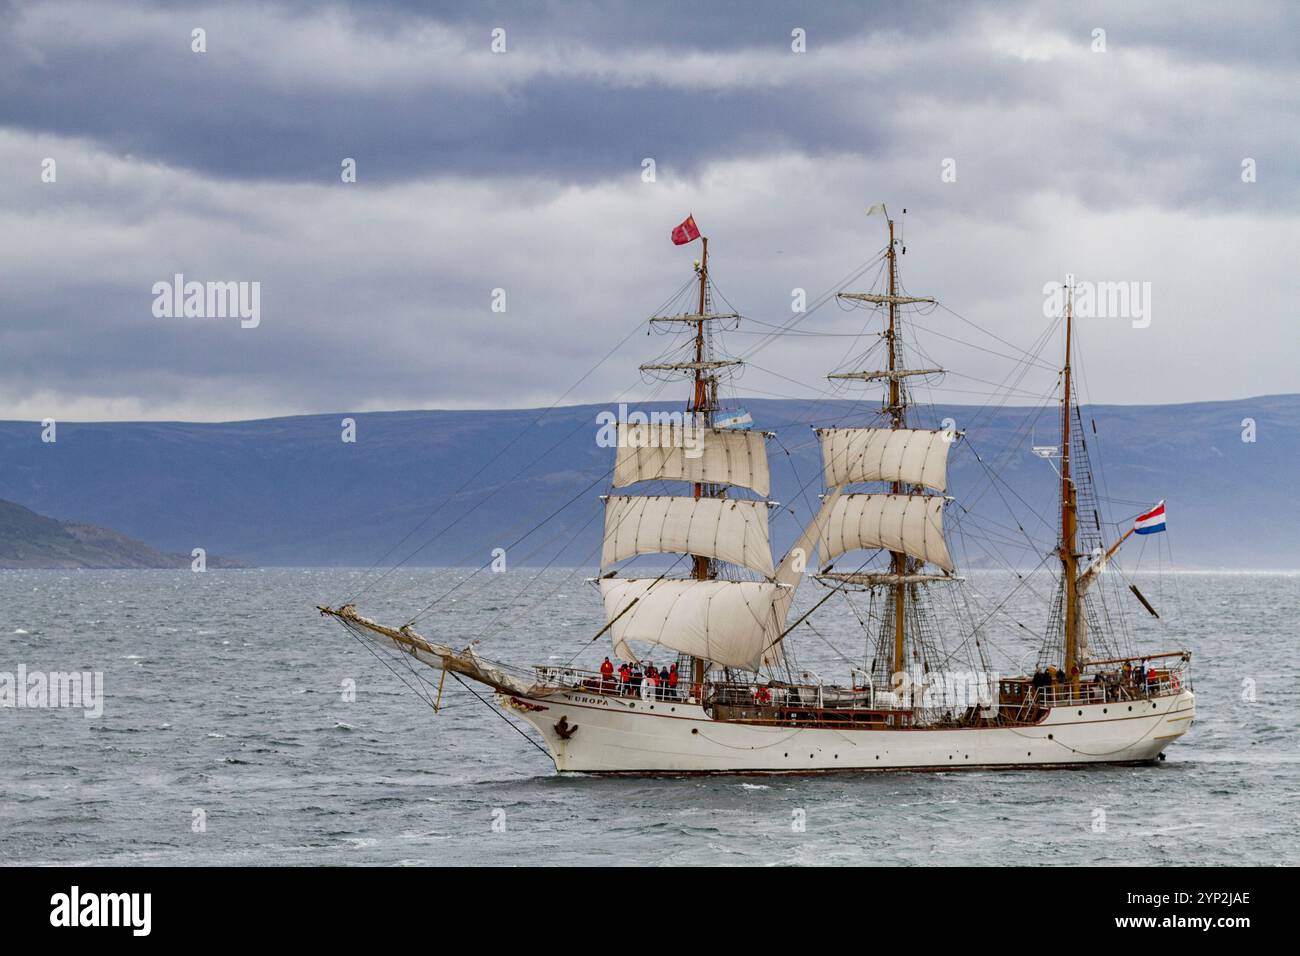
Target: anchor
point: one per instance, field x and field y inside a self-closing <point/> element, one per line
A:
<point x="564" y="730"/>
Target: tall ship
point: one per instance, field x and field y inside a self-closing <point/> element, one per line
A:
<point x="924" y="696"/>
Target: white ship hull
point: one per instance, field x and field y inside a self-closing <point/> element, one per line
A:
<point x="620" y="735"/>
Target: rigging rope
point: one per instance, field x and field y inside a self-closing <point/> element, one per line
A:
<point x="367" y="585"/>
<point x="488" y="704"/>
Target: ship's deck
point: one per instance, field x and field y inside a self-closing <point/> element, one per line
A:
<point x="1014" y="701"/>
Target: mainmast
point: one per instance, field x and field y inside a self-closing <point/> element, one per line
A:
<point x="898" y="418"/>
<point x="896" y="407"/>
<point x="1069" y="510"/>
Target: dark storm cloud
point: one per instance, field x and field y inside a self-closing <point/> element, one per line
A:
<point x="522" y="171"/>
<point x="273" y="98"/>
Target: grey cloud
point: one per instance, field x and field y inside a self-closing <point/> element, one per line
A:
<point x="287" y="107"/>
<point x="225" y="166"/>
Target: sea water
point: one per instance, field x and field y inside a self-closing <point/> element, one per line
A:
<point x="240" y="727"/>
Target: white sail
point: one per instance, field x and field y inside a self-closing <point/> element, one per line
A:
<point x="729" y="529"/>
<point x="709" y="455"/>
<point x="801" y="556"/>
<point x="910" y="455"/>
<point x="912" y="524"/>
<point x="732" y="623"/>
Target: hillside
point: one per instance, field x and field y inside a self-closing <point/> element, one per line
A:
<point x="30" y="540"/>
<point x="288" y="491"/>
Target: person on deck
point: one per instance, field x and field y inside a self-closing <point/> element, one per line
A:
<point x="672" y="681"/>
<point x="652" y="678"/>
<point x="624" y="677"/>
<point x="1110" y="690"/>
<point x="636" y="678"/>
<point x="663" y="683"/>
<point x="606" y="675"/>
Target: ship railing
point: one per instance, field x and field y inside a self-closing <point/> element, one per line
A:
<point x="593" y="681"/>
<point x="804" y="696"/>
<point x="1102" y="692"/>
<point x="1116" y="680"/>
<point x="564" y="676"/>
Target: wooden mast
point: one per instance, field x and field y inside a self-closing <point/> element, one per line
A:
<point x="702" y="407"/>
<point x="897" y="560"/>
<point x="895" y="403"/>
<point x="1069" y="511"/>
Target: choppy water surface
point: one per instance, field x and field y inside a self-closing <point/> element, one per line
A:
<point x="224" y="694"/>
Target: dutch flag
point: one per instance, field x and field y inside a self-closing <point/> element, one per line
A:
<point x="1151" y="522"/>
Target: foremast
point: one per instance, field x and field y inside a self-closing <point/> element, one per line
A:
<point x="704" y="402"/>
<point x="702" y="406"/>
<point x="713" y="617"/>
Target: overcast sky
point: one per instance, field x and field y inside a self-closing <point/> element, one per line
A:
<point x="523" y="170"/>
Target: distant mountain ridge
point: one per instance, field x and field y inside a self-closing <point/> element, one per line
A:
<point x="289" y="491"/>
<point x="29" y="540"/>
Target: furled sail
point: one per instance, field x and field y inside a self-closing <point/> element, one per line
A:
<point x="729" y="529"/>
<point x="691" y="453"/>
<point x="912" y="524"/>
<point x="909" y="455"/>
<point x="732" y="623"/>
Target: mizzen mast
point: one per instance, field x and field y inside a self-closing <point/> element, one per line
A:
<point x="1069" y="512"/>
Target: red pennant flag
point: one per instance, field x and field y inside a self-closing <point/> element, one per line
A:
<point x="686" y="232"/>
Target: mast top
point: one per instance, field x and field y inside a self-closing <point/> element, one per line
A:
<point x="893" y="374"/>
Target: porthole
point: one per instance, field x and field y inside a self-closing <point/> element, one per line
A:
<point x="1051" y="737"/>
<point x="1080" y="713"/>
<point x="695" y="730"/>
